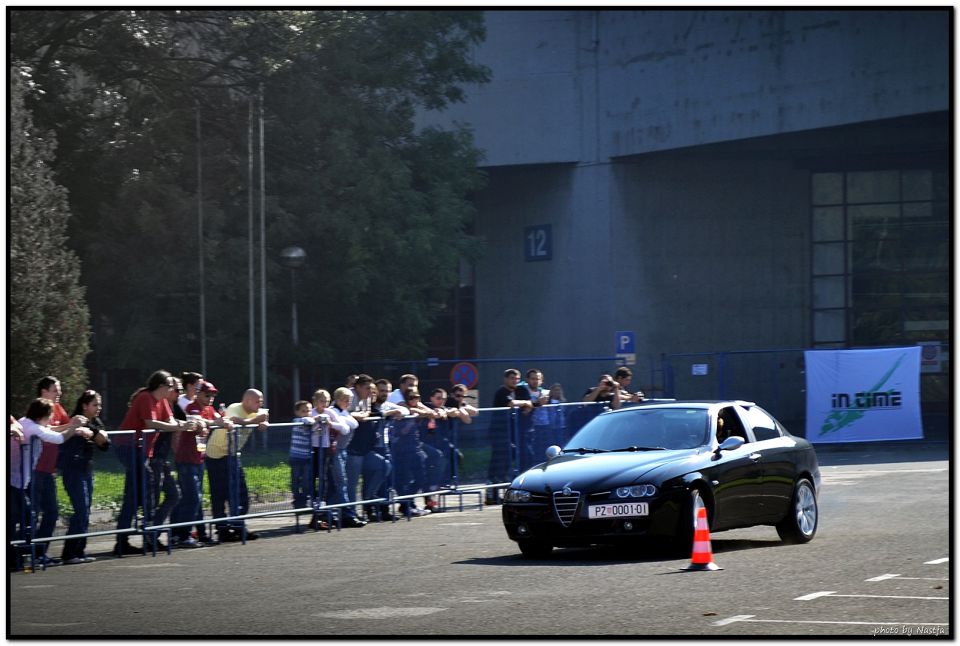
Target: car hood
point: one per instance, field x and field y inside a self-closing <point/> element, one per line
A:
<point x="593" y="472"/>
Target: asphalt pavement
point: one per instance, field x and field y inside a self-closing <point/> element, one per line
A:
<point x="880" y="562"/>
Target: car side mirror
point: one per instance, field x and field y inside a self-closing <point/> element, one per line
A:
<point x="552" y="452"/>
<point x="732" y="443"/>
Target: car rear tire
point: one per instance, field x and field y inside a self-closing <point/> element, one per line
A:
<point x="800" y="523"/>
<point x="532" y="549"/>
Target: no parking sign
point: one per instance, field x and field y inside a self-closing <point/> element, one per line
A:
<point x="464" y="373"/>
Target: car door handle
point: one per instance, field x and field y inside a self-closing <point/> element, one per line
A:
<point x="755" y="457"/>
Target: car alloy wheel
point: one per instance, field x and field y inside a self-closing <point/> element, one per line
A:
<point x="800" y="523"/>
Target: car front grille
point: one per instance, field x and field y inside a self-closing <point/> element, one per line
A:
<point x="566" y="506"/>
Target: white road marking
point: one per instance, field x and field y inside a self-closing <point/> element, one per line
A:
<point x="457" y="524"/>
<point x="891" y="596"/>
<point x="815" y="595"/>
<point x="32" y="587"/>
<point x="733" y="619"/>
<point x="884" y="577"/>
<point x="937" y="561"/>
<point x="151" y="565"/>
<point x="379" y="613"/>
<point x="847" y="478"/>
<point x="888" y="596"/>
<point x="873" y="472"/>
<point x="74" y="623"/>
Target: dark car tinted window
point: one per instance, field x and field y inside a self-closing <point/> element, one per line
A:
<point x="764" y="428"/>
<point x="671" y="428"/>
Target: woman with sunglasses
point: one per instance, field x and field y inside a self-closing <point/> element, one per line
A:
<point x="76" y="469"/>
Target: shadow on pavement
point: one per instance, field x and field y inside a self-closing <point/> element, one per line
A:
<point x="605" y="555"/>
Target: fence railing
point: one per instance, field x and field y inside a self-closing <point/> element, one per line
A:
<point x="421" y="457"/>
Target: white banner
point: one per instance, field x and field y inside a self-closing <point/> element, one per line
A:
<point x="863" y="395"/>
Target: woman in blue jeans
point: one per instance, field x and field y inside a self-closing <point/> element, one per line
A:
<point x="76" y="469"/>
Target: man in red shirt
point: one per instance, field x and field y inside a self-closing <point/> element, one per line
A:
<point x="148" y="410"/>
<point x="189" y="458"/>
<point x="45" y="478"/>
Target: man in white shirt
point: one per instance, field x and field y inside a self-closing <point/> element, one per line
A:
<point x="407" y="382"/>
<point x="25" y="449"/>
<point x="342" y="425"/>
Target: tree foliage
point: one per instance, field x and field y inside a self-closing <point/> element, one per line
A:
<point x="48" y="320"/>
<point x="381" y="207"/>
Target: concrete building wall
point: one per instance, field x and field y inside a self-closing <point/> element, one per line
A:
<point x="691" y="263"/>
<point x="669" y="152"/>
<point x="590" y="85"/>
<point x="703" y="264"/>
<point x="671" y="79"/>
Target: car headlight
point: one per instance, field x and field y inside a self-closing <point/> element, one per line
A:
<point x="517" y="495"/>
<point x="636" y="491"/>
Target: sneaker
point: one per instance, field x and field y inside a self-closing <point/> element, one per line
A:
<point x="187" y="543"/>
<point x="386" y="514"/>
<point x="89" y="559"/>
<point x="227" y="536"/>
<point x="431" y="505"/>
<point x="153" y="543"/>
<point x="48" y="561"/>
<point x="208" y="541"/>
<point x="123" y="548"/>
<point x="76" y="560"/>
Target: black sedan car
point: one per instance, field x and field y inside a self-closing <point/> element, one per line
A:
<point x="639" y="471"/>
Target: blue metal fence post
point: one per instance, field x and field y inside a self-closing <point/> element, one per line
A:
<point x="231" y="475"/>
<point x="31" y="517"/>
<point x="141" y="476"/>
<point x="667" y="370"/>
<point x="455" y="425"/>
<point x="392" y="483"/>
<point x="514" y="442"/>
<point x="721" y="375"/>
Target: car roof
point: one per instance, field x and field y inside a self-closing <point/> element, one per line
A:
<point x="690" y="403"/>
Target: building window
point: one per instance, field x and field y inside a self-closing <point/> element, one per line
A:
<point x="881" y="257"/>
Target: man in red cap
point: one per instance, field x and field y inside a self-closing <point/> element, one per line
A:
<point x="189" y="456"/>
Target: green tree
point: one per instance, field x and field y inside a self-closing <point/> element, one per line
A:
<point x="48" y="320"/>
<point x="382" y="208"/>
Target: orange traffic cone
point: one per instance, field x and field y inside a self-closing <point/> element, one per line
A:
<point x="702" y="557"/>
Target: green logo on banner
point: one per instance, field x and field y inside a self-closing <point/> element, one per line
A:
<point x="847" y="409"/>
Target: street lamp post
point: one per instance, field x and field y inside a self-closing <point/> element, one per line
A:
<point x="294" y="258"/>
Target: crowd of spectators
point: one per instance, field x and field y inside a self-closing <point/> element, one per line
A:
<point x="349" y="447"/>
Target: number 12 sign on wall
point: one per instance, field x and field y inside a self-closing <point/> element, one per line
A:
<point x="537" y="243"/>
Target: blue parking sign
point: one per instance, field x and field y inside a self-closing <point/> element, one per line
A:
<point x="625" y="342"/>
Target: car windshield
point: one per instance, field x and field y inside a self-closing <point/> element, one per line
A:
<point x="643" y="429"/>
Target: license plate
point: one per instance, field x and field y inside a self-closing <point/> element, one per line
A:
<point x="620" y="510"/>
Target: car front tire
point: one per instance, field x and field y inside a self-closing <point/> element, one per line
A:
<point x="800" y="523"/>
<point x="535" y="549"/>
<point x="682" y="543"/>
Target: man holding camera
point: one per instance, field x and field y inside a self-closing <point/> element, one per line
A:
<point x="607" y="390"/>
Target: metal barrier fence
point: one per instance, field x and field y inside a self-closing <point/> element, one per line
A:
<point x="439" y="459"/>
<point x="775" y="379"/>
